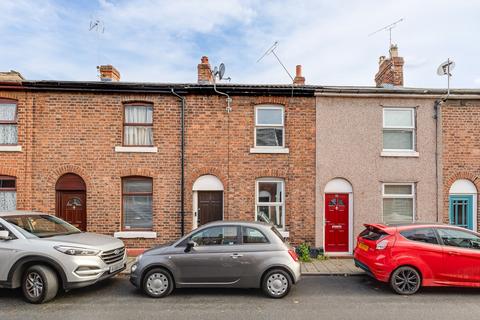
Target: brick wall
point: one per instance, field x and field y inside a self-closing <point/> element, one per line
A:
<point x="461" y="146"/>
<point x="62" y="132"/>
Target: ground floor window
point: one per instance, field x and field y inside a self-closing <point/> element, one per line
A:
<point x="398" y="202"/>
<point x="8" y="193"/>
<point x="270" y="201"/>
<point x="137" y="203"/>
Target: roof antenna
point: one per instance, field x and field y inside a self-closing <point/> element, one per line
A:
<point x="98" y="27"/>
<point x="272" y="51"/>
<point x="389" y="28"/>
<point x="444" y="69"/>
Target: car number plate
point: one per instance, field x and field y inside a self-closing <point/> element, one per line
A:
<point x="363" y="246"/>
<point x="116" y="267"/>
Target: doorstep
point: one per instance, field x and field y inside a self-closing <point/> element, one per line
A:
<point x="328" y="267"/>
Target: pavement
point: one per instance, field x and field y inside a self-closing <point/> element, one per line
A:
<point x="317" y="267"/>
<point x="314" y="297"/>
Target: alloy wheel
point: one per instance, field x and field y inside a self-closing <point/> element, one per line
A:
<point x="34" y="284"/>
<point x="406" y="281"/>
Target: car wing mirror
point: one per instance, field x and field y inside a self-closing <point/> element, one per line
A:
<point x="5" y="235"/>
<point x="190" y="245"/>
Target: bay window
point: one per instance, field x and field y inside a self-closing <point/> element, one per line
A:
<point x="398" y="202"/>
<point x="270" y="201"/>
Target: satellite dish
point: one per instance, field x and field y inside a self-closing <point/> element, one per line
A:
<point x="445" y="68"/>
<point x="221" y="70"/>
<point x="215" y="71"/>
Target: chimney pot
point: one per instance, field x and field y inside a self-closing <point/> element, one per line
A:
<point x="108" y="73"/>
<point x="299" y="79"/>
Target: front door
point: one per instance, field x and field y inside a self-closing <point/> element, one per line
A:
<point x="336" y="222"/>
<point x="461" y="211"/>
<point x="71" y="208"/>
<point x="210" y="206"/>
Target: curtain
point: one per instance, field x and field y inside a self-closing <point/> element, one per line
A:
<point x="397" y="210"/>
<point x="8" y="134"/>
<point x="8" y="200"/>
<point x="138" y="135"/>
<point x="138" y="114"/>
<point x="7" y="112"/>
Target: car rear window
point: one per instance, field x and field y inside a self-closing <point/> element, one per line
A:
<point x="426" y="235"/>
<point x="371" y="233"/>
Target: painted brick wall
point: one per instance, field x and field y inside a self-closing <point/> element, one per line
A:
<point x="64" y="132"/>
<point x="461" y="146"/>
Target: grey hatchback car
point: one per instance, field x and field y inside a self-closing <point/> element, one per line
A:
<point x="220" y="254"/>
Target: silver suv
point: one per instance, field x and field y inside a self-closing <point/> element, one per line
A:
<point x="41" y="253"/>
<point x="220" y="254"/>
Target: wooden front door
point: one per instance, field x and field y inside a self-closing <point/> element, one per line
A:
<point x="71" y="208"/>
<point x="336" y="222"/>
<point x="210" y="206"/>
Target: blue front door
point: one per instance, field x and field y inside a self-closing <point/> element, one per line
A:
<point x="461" y="211"/>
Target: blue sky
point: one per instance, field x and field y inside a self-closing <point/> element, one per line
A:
<point x="162" y="41"/>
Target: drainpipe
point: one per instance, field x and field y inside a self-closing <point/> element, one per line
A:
<point x="436" y="107"/>
<point x="182" y="162"/>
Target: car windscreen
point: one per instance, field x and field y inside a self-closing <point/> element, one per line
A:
<point x="41" y="226"/>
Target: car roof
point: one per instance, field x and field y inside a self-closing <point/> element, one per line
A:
<point x="238" y="222"/>
<point x="391" y="228"/>
<point x="19" y="213"/>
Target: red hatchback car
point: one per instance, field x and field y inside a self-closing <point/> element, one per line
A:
<point x="410" y="256"/>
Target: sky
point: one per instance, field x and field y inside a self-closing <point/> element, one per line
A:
<point x="163" y="41"/>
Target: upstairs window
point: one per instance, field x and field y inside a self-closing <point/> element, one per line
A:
<point x="8" y="193"/>
<point x="137" y="203"/>
<point x="138" y="125"/>
<point x="399" y="129"/>
<point x="8" y="122"/>
<point x="269" y="126"/>
<point x="398" y="203"/>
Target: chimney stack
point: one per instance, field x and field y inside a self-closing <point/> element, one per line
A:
<point x="390" y="71"/>
<point x="299" y="79"/>
<point x="11" y="75"/>
<point x="204" y="71"/>
<point x="108" y="73"/>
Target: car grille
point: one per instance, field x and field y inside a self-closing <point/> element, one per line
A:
<point x="113" y="256"/>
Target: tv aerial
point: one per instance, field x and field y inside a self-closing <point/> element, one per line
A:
<point x="388" y="28"/>
<point x="444" y="69"/>
<point x="271" y="50"/>
<point x="97" y="25"/>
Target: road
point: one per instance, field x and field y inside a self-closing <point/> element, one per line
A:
<point x="328" y="297"/>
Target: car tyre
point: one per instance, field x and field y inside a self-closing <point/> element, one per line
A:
<point x="158" y="283"/>
<point x="39" y="284"/>
<point x="276" y="283"/>
<point x="405" y="280"/>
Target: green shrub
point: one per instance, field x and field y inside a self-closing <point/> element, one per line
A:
<point x="304" y="252"/>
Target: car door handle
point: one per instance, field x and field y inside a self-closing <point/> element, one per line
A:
<point x="453" y="253"/>
<point x="236" y="255"/>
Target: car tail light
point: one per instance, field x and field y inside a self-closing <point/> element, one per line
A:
<point x="293" y="254"/>
<point x="382" y="245"/>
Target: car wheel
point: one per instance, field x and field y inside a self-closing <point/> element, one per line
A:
<point x="158" y="283"/>
<point x="405" y="280"/>
<point x="276" y="283"/>
<point x="39" y="284"/>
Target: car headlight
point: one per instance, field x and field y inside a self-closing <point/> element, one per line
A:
<point x="76" y="251"/>
<point x="138" y="258"/>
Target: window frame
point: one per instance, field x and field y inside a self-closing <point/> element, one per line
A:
<point x="135" y="194"/>
<point x="266" y="126"/>
<point x="271" y="204"/>
<point x="399" y="196"/>
<point x="412" y="128"/>
<point x="10" y="122"/>
<point x="128" y="124"/>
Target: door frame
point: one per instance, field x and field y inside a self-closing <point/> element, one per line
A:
<point x="472" y="199"/>
<point x="350" y="225"/>
<point x="206" y="182"/>
<point x="65" y="184"/>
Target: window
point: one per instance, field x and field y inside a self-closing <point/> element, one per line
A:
<point x="399" y="129"/>
<point x="426" y="235"/>
<point x="217" y="236"/>
<point x="269" y="131"/>
<point x="137" y="203"/>
<point x="8" y="122"/>
<point x="138" y="125"/>
<point x="270" y="202"/>
<point x="458" y="238"/>
<point x="252" y="235"/>
<point x="398" y="203"/>
<point x="8" y="193"/>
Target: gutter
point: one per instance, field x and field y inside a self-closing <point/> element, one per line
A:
<point x="405" y="95"/>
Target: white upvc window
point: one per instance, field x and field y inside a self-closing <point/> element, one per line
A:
<point x="399" y="129"/>
<point x="269" y="126"/>
<point x="270" y="201"/>
<point x="398" y="202"/>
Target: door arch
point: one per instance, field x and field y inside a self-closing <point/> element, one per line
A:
<point x="71" y="200"/>
<point x="338" y="217"/>
<point x="207" y="200"/>
<point x="462" y="204"/>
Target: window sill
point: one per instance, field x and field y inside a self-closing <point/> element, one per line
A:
<point x="407" y="154"/>
<point x="137" y="149"/>
<point x="10" y="148"/>
<point x="269" y="150"/>
<point x="135" y="234"/>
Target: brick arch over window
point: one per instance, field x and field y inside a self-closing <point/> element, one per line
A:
<point x="271" y="100"/>
<point x="197" y="173"/>
<point x="68" y="168"/>
<point x="475" y="179"/>
<point x="8" y="172"/>
<point x="139" y="172"/>
<point x="272" y="173"/>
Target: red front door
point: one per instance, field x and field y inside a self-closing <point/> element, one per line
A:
<point x="336" y="222"/>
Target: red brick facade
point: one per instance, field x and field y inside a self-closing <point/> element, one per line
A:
<point x="77" y="132"/>
<point x="460" y="146"/>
